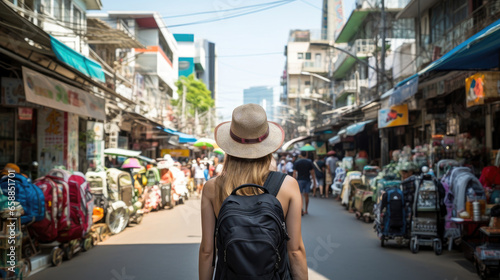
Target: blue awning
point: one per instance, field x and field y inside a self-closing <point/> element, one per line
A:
<point x="76" y="60"/>
<point x="480" y="52"/>
<point x="183" y="137"/>
<point x="334" y="140"/>
<point x="357" y="128"/>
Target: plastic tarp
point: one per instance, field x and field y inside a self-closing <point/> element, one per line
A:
<point x="480" y="52"/>
<point x="334" y="140"/>
<point x="183" y="137"/>
<point x="356" y="128"/>
<point x="121" y="152"/>
<point x="76" y="60"/>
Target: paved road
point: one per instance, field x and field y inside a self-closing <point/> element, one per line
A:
<point x="165" y="246"/>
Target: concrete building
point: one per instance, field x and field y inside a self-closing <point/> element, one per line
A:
<point x="332" y="19"/>
<point x="306" y="90"/>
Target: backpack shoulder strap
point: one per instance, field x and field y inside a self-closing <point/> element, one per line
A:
<point x="274" y="181"/>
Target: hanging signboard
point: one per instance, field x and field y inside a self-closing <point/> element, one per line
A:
<point x="393" y="116"/>
<point x="175" y="152"/>
<point x="25" y="114"/>
<point x="482" y="86"/>
<point x="52" y="93"/>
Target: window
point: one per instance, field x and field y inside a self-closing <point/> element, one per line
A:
<point x="445" y="16"/>
<point x="300" y="55"/>
<point x="57" y="11"/>
<point x="307" y="83"/>
<point x="67" y="13"/>
<point x="166" y="49"/>
<point x="308" y="55"/>
<point x="77" y="18"/>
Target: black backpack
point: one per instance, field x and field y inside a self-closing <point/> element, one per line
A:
<point x="251" y="234"/>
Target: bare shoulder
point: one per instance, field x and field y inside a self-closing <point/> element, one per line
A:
<point x="209" y="189"/>
<point x="289" y="186"/>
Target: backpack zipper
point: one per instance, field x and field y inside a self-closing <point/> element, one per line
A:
<point x="249" y="240"/>
<point x="284" y="234"/>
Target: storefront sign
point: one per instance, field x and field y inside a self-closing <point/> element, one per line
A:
<point x="72" y="130"/>
<point x="482" y="86"/>
<point x="25" y="114"/>
<point x="175" y="152"/>
<point x="13" y="92"/>
<point x="393" y="116"/>
<point x="52" y="93"/>
<point x="52" y="139"/>
<point x="95" y="144"/>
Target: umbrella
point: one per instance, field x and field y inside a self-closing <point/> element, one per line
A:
<point x="131" y="163"/>
<point x="204" y="143"/>
<point x="308" y="148"/>
<point x="219" y="151"/>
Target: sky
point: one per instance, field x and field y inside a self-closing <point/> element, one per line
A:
<point x="250" y="48"/>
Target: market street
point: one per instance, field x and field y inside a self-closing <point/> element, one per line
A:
<point x="165" y="246"/>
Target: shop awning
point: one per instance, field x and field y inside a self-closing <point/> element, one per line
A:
<point x="74" y="59"/>
<point x="480" y="52"/>
<point x="183" y="137"/>
<point x="293" y="141"/>
<point x="121" y="152"/>
<point x="334" y="140"/>
<point x="357" y="128"/>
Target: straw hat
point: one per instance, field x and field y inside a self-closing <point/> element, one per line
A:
<point x="249" y="134"/>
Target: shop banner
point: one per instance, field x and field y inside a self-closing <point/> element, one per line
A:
<point x="393" y="116"/>
<point x="52" y="138"/>
<point x="95" y="144"/>
<point x="175" y="152"/>
<point x="13" y="92"/>
<point x="52" y="93"/>
<point x="482" y="86"/>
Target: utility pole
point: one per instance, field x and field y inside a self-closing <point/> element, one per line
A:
<point x="382" y="58"/>
<point x="298" y="105"/>
<point x="184" y="91"/>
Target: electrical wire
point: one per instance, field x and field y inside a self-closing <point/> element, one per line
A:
<point x="232" y="16"/>
<point x="221" y="11"/>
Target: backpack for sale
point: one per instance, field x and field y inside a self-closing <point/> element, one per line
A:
<point x="251" y="234"/>
<point x="46" y="230"/>
<point x="27" y="194"/>
<point x="395" y="217"/>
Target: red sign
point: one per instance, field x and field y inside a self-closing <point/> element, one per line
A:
<point x="25" y="114"/>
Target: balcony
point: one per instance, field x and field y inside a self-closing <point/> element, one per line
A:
<point x="360" y="48"/>
<point x="348" y="86"/>
<point x="315" y="67"/>
<point x="153" y="61"/>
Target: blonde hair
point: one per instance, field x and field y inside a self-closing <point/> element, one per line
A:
<point x="239" y="171"/>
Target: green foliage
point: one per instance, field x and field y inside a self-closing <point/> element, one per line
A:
<point x="197" y="95"/>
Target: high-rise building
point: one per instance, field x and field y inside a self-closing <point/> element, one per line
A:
<point x="265" y="96"/>
<point x="332" y="19"/>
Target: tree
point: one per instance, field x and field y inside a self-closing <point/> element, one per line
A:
<point x="197" y="95"/>
<point x="198" y="104"/>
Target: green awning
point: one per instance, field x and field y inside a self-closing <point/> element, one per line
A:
<point x="76" y="60"/>
<point x="344" y="67"/>
<point x="352" y="25"/>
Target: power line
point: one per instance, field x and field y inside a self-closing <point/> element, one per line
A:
<point x="232" y="16"/>
<point x="227" y="10"/>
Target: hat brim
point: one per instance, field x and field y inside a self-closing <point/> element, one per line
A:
<point x="255" y="150"/>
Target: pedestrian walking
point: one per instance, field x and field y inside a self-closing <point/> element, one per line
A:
<point x="199" y="175"/>
<point x="249" y="141"/>
<point x="303" y="171"/>
<point x="319" y="170"/>
<point x="331" y="165"/>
